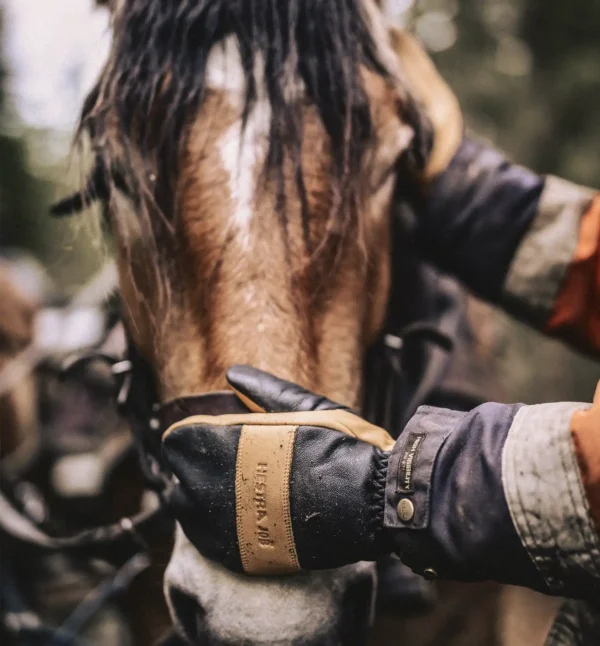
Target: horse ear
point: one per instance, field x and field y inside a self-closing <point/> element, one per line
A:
<point x="435" y="115"/>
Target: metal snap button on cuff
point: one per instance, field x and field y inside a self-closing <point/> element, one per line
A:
<point x="406" y="510"/>
<point x="430" y="574"/>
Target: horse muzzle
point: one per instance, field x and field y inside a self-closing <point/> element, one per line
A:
<point x="211" y="606"/>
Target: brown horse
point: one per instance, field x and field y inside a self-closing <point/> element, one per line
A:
<point x="257" y="145"/>
<point x="249" y="153"/>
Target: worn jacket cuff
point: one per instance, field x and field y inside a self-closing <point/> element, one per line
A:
<point x="494" y="494"/>
<point x="547" y="501"/>
<point x="410" y="467"/>
<point x="475" y="216"/>
<point x="545" y="253"/>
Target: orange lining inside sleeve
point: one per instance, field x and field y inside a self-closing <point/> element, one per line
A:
<point x="576" y="314"/>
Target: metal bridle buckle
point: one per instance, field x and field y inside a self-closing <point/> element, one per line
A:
<point x="123" y="372"/>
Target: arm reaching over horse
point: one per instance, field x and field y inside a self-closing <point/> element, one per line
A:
<point x="509" y="493"/>
<point x="528" y="243"/>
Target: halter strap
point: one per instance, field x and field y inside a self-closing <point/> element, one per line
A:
<point x="221" y="402"/>
<point x="115" y="543"/>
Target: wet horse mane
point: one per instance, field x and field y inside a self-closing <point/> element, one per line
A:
<point x="140" y="112"/>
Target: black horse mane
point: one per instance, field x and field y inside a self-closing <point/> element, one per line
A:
<point x="155" y="79"/>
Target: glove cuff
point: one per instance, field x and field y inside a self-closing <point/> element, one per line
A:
<point x="383" y="542"/>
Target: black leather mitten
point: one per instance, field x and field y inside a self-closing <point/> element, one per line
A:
<point x="298" y="484"/>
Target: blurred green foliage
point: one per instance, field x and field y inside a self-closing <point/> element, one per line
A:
<point x="527" y="74"/>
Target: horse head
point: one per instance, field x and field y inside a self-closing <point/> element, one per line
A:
<point x="249" y="153"/>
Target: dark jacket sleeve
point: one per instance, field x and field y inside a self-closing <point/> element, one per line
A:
<point x="508" y="493"/>
<point x="528" y="243"/>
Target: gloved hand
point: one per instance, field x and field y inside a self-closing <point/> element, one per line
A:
<point x="464" y="496"/>
<point x="298" y="484"/>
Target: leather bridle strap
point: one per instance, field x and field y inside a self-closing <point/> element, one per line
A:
<point x="222" y="402"/>
<point x="113" y="543"/>
<point x="137" y="402"/>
